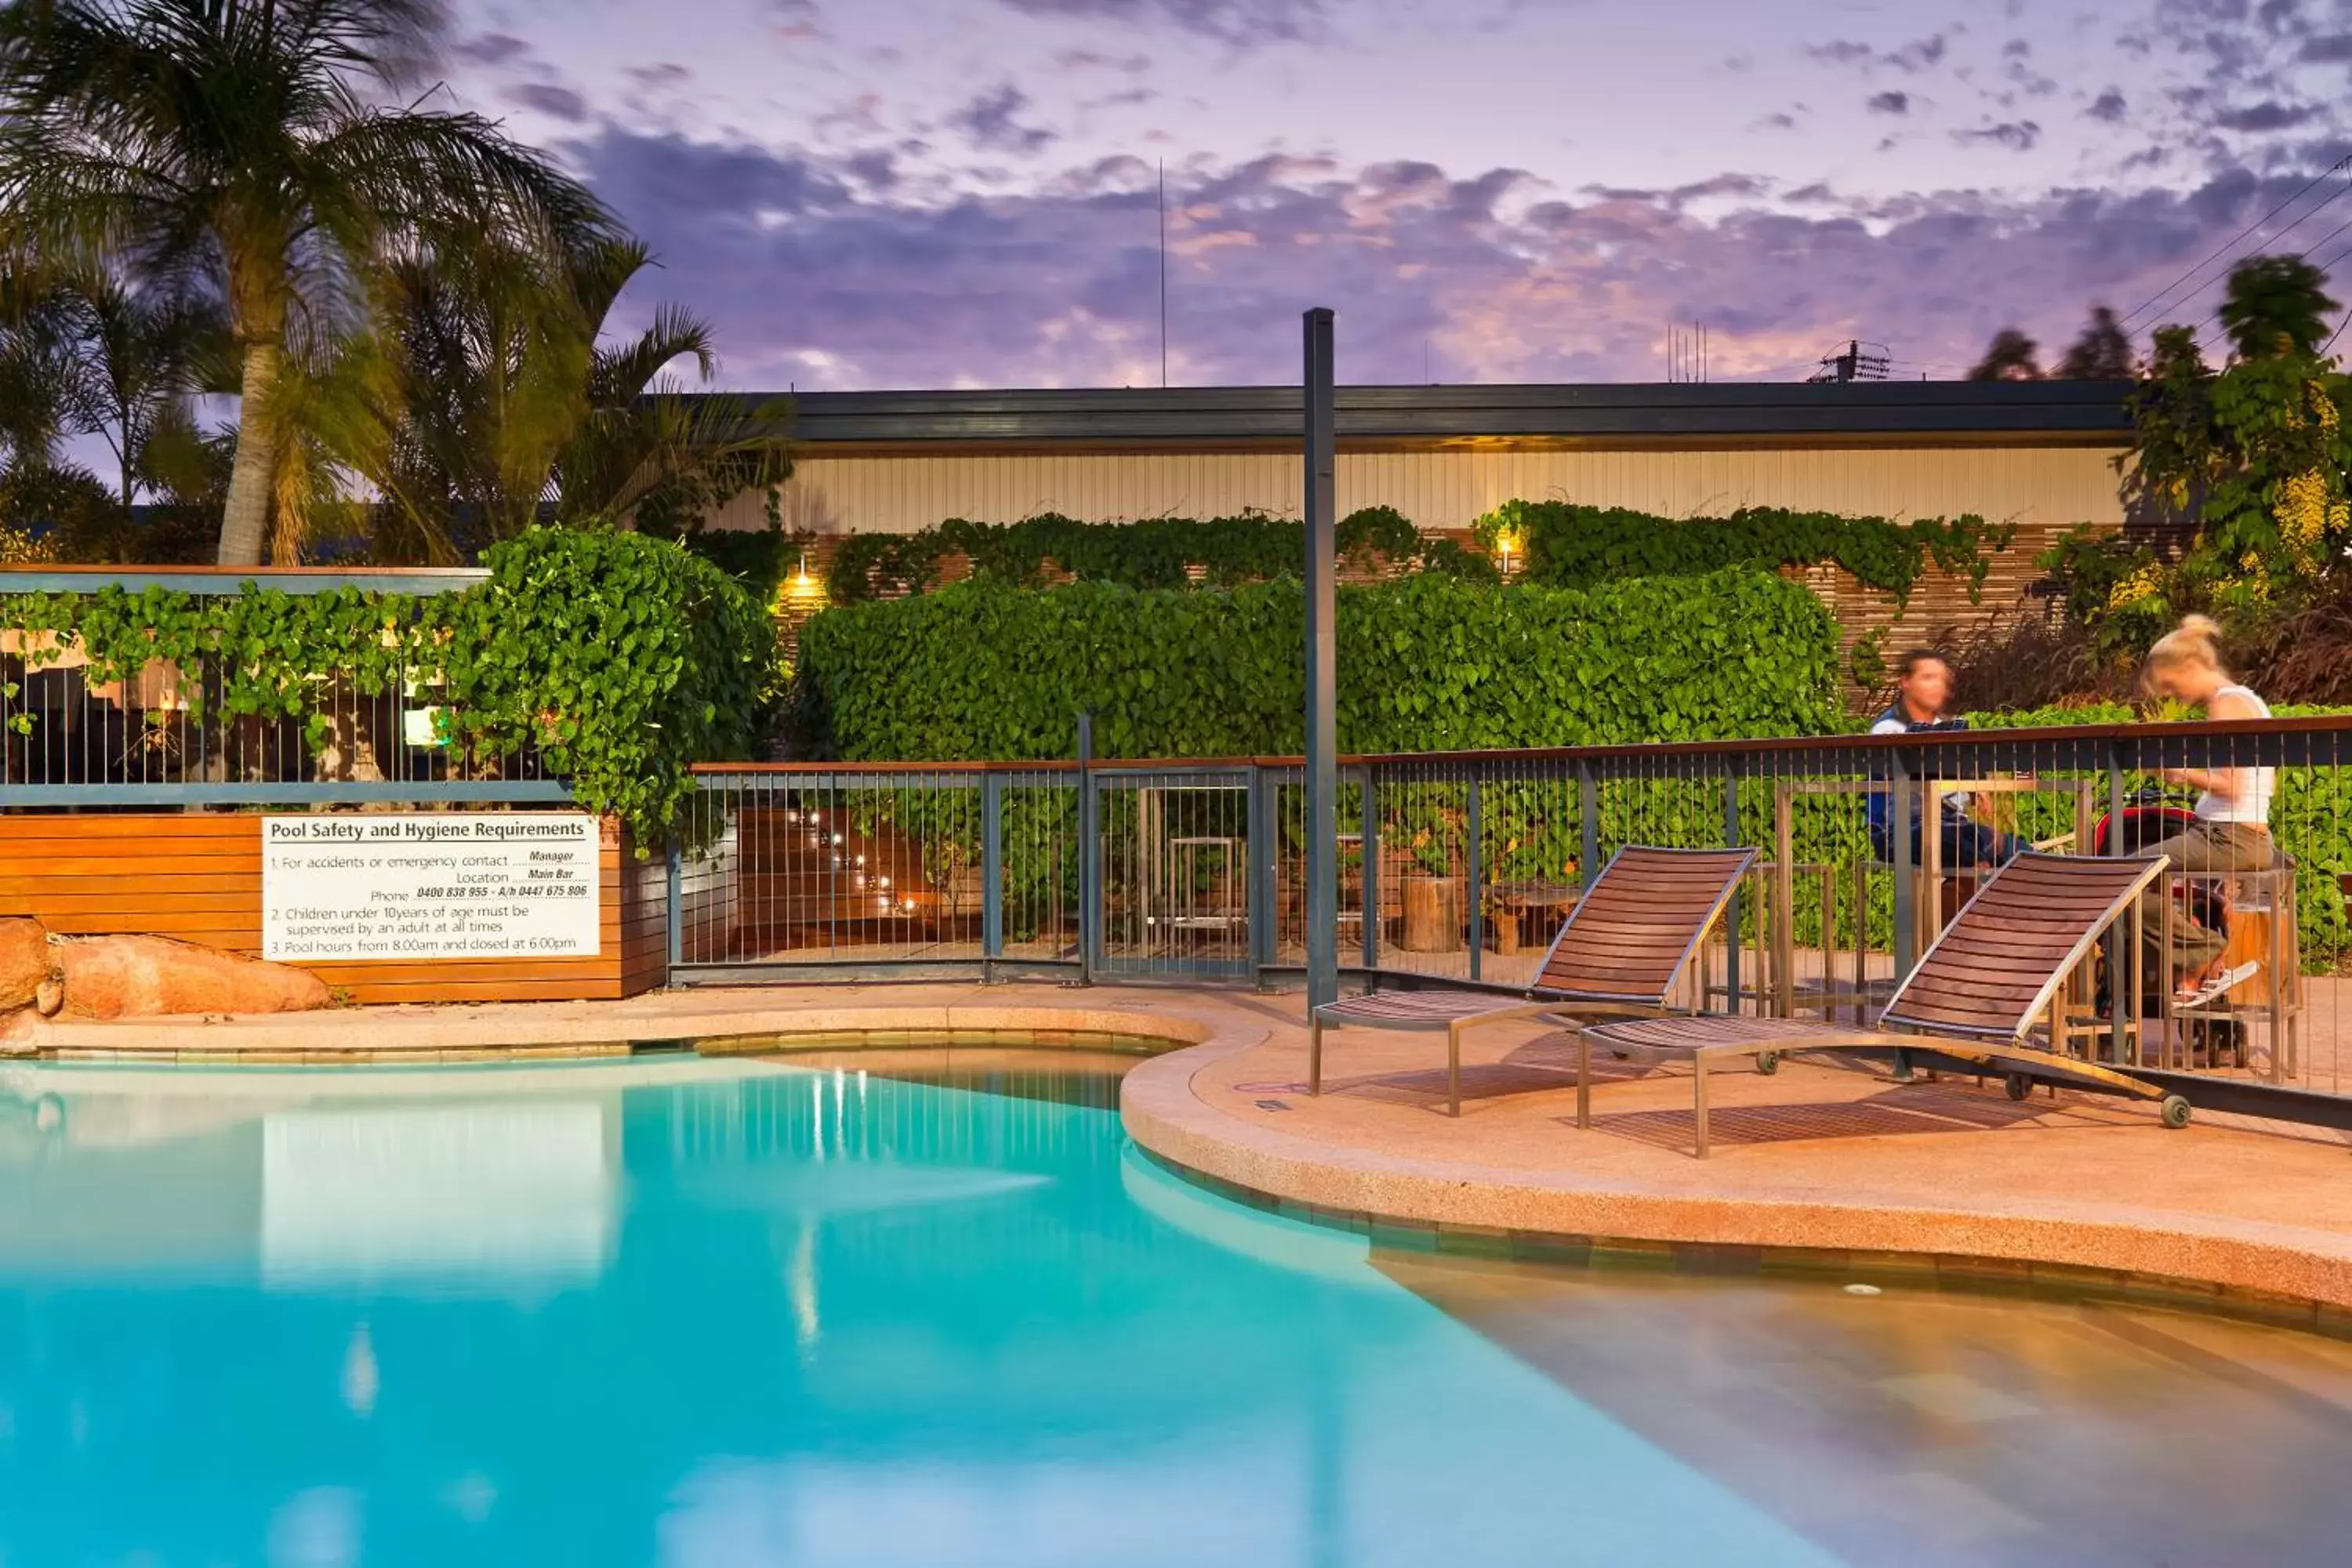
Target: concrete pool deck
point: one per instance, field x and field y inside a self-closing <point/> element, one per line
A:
<point x="1818" y="1167"/>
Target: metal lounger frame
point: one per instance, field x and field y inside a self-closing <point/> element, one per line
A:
<point x="1945" y="1046"/>
<point x="1565" y="1008"/>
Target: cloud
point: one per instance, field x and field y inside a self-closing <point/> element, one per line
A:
<point x="1889" y="103"/>
<point x="548" y="98"/>
<point x="2109" y="106"/>
<point x="1919" y="54"/>
<point x="796" y="18"/>
<point x="1228" y="21"/>
<point x="2266" y="116"/>
<point x="1095" y="60"/>
<point x="491" y="49"/>
<point x="1783" y="121"/>
<point x="2328" y="48"/>
<point x="988" y="121"/>
<point x="813" y="273"/>
<point x="2017" y="135"/>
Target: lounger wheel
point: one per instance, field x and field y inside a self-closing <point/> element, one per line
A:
<point x="1768" y="1062"/>
<point x="2174" y="1111"/>
<point x="2019" y="1085"/>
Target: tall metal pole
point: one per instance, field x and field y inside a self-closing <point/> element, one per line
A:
<point x="1163" y="272"/>
<point x="1322" y="684"/>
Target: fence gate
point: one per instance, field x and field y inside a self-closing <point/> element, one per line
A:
<point x="1173" y="880"/>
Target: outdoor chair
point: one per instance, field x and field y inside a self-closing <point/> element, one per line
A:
<point x="1622" y="951"/>
<point x="1992" y="975"/>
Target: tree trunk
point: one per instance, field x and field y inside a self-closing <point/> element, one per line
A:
<point x="245" y="521"/>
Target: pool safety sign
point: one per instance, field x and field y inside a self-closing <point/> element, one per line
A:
<point x="338" y="888"/>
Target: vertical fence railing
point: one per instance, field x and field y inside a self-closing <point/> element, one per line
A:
<point x="76" y="736"/>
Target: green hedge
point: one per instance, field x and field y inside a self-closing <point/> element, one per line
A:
<point x="1426" y="663"/>
<point x="622" y="660"/>
<point x="1571" y="546"/>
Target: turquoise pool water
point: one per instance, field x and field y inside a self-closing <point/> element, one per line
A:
<point x="713" y="1314"/>
<point x="752" y="1313"/>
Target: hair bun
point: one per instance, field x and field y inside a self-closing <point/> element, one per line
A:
<point x="2204" y="627"/>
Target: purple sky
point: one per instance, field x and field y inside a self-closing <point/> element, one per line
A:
<point x="943" y="193"/>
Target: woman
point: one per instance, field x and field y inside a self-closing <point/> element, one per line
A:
<point x="2233" y="830"/>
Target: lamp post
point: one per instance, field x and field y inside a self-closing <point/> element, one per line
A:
<point x="1322" y="723"/>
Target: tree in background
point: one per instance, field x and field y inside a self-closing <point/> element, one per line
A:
<point x="502" y="404"/>
<point x="2103" y="352"/>
<point x="2252" y="461"/>
<point x="144" y="353"/>
<point x="647" y="450"/>
<point x="238" y="143"/>
<point x="2277" y="306"/>
<point x="2011" y="356"/>
<point x="86" y="353"/>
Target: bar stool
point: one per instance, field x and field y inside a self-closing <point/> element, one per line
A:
<point x="2262" y="929"/>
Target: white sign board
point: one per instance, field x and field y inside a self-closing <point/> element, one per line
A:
<point x="449" y="885"/>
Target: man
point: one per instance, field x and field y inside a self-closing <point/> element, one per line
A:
<point x="1923" y="691"/>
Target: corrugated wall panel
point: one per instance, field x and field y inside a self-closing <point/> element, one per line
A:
<point x="2044" y="487"/>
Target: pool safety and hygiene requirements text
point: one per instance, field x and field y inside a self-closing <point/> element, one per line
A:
<point x="447" y="885"/>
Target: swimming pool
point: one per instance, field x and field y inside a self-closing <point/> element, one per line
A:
<point x="779" y="1311"/>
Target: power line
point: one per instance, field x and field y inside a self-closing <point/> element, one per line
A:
<point x="1851" y="364"/>
<point x="2322" y="265"/>
<point x="2232" y="243"/>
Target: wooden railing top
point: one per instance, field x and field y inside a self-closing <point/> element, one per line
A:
<point x="48" y="578"/>
<point x="1790" y="747"/>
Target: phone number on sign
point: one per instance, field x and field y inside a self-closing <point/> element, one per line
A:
<point x="523" y="891"/>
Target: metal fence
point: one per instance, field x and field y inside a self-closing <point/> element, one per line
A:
<point x="1454" y="869"/>
<point x="165" y="735"/>
<point x="1457" y="869"/>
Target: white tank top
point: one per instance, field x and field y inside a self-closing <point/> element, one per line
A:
<point x="2256" y="785"/>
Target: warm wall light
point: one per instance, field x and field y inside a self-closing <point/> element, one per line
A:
<point x="803" y="587"/>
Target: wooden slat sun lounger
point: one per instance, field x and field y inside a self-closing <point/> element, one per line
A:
<point x="1969" y="1007"/>
<point x="1622" y="952"/>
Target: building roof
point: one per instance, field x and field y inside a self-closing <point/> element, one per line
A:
<point x="1403" y="418"/>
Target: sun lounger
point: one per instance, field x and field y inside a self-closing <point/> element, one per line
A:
<point x="1991" y="976"/>
<point x="1622" y="952"/>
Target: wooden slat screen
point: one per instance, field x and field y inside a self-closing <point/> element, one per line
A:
<point x="197" y="877"/>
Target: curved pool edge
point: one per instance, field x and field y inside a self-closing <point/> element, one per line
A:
<point x="2140" y="1253"/>
<point x="559" y="1031"/>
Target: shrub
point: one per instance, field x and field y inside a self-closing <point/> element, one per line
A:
<point x="979" y="671"/>
<point x="619" y="660"/>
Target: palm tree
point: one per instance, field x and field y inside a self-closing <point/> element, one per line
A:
<point x="646" y="451"/>
<point x="238" y="140"/>
<point x="40" y="379"/>
<point x="504" y="406"/>
<point x="143" y="354"/>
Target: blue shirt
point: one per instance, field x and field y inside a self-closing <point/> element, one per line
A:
<point x="1895" y="722"/>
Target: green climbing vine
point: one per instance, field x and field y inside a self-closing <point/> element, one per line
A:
<point x="1570" y="546"/>
<point x="1158" y="553"/>
<point x="618" y="660"/>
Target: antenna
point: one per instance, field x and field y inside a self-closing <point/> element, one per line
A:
<point x="1163" y="272"/>
<point x="1858" y="361"/>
